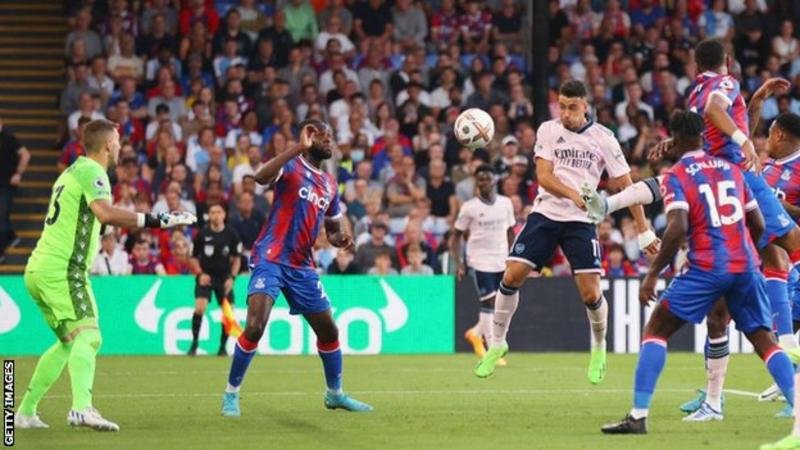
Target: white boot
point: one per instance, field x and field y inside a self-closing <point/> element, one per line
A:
<point x="22" y="421"/>
<point x="91" y="418"/>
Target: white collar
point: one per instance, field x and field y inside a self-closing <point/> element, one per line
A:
<point x="693" y="154"/>
<point x="309" y="166"/>
<point x="790" y="157"/>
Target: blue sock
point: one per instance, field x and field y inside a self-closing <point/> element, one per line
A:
<point x="331" y="356"/>
<point x="652" y="357"/>
<point x="243" y="353"/>
<point x="778" y="294"/>
<point x="780" y="367"/>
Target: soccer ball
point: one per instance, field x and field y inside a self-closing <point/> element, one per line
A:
<point x="474" y="128"/>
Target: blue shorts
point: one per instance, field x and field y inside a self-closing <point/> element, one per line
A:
<point x="777" y="221"/>
<point x="486" y="283"/>
<point x="301" y="287"/>
<point x="793" y="284"/>
<point x="537" y="242"/>
<point x="691" y="296"/>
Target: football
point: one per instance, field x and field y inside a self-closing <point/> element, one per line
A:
<point x="474" y="128"/>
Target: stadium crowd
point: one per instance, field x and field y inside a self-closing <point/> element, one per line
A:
<point x="205" y="91"/>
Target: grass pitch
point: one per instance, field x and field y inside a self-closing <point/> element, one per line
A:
<point x="540" y="401"/>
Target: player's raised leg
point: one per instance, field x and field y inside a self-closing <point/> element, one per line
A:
<point x="642" y="192"/>
<point x="259" y="306"/>
<point x="331" y="355"/>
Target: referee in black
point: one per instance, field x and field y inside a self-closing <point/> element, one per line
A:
<point x="216" y="258"/>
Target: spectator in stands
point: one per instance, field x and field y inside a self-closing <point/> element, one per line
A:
<point x="402" y="190"/>
<point x="70" y="95"/>
<point x="247" y="222"/>
<point x="199" y="12"/>
<point x="143" y="262"/>
<point x="615" y="264"/>
<point x="475" y="26"/>
<point x="441" y="191"/>
<point x="252" y="18"/>
<point x="280" y="37"/>
<point x="232" y="31"/>
<point x="99" y="80"/>
<point x="372" y="21"/>
<point x="413" y="235"/>
<point x="301" y="21"/>
<point x="157" y="38"/>
<point x="178" y="262"/>
<point x="416" y="265"/>
<point x="249" y="185"/>
<point x="367" y="252"/>
<point x="333" y="30"/>
<point x="248" y="167"/>
<point x="337" y="8"/>
<point x="485" y="95"/>
<point x="161" y="8"/>
<point x="74" y="148"/>
<point x="88" y="106"/>
<point x="126" y="63"/>
<point x="14" y="158"/>
<point x="176" y="104"/>
<point x="172" y="201"/>
<point x="382" y="265"/>
<point x="127" y="92"/>
<point x="113" y="260"/>
<point x="91" y="39"/>
<point x="410" y="24"/>
<point x="344" y="264"/>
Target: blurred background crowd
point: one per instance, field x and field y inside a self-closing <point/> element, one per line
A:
<point x="205" y="91"/>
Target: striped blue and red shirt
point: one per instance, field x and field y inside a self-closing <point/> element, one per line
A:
<point x="714" y="193"/>
<point x="783" y="176"/>
<point x="304" y="197"/>
<point x="715" y="142"/>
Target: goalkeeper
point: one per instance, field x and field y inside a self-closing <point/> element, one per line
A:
<point x="56" y="276"/>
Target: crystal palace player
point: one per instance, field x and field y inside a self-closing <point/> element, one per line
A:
<point x="706" y="199"/>
<point x="570" y="150"/>
<point x="716" y="96"/>
<point x="782" y="172"/>
<point x="281" y="261"/>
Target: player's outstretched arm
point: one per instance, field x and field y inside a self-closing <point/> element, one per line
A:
<point x="717" y="113"/>
<point x="551" y="183"/>
<point x="108" y="214"/>
<point x="768" y="88"/>
<point x="269" y="172"/>
<point x="674" y="236"/>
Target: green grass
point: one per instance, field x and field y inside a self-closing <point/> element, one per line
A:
<point x="422" y="402"/>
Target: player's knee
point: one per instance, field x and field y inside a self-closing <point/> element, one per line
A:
<point x="253" y="333"/>
<point x="589" y="294"/>
<point x="91" y="337"/>
<point x="511" y="280"/>
<point x="328" y="334"/>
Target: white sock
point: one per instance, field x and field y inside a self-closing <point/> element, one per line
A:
<point x="485" y="325"/>
<point x="504" y="307"/>
<point x="640" y="193"/>
<point x="716" y="368"/>
<point x="598" y="323"/>
<point x="796" y="429"/>
<point x="787" y="341"/>
<point x="231" y="388"/>
<point x="639" y="413"/>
